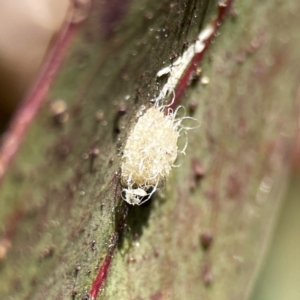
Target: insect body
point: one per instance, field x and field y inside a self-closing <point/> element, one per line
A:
<point x="150" y="152"/>
<point x="134" y="196"/>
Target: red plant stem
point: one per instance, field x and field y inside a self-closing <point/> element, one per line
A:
<point x="183" y="83"/>
<point x="31" y="104"/>
<point x="102" y="274"/>
<point x="103" y="271"/>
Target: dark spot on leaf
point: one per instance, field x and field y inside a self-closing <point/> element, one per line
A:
<point x="86" y="297"/>
<point x="137" y="95"/>
<point x="77" y="269"/>
<point x="74" y="293"/>
<point x="194" y="76"/>
<point x="93" y="245"/>
<point x="206" y="274"/>
<point x="206" y="240"/>
<point x="121" y="112"/>
<point x="99" y="116"/>
<point x="131" y="260"/>
<point x="63" y="148"/>
<point x="192" y="106"/>
<point x="197" y="173"/>
<point x="47" y="252"/>
<point x="156" y="252"/>
<point x="233" y="186"/>
<point x="93" y="154"/>
<point x="59" y="112"/>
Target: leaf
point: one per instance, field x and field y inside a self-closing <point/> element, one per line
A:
<point x="65" y="226"/>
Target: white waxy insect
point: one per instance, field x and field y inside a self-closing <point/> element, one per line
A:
<point x="134" y="196"/>
<point x="150" y="152"/>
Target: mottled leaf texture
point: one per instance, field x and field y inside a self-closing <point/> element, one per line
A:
<point x="65" y="231"/>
